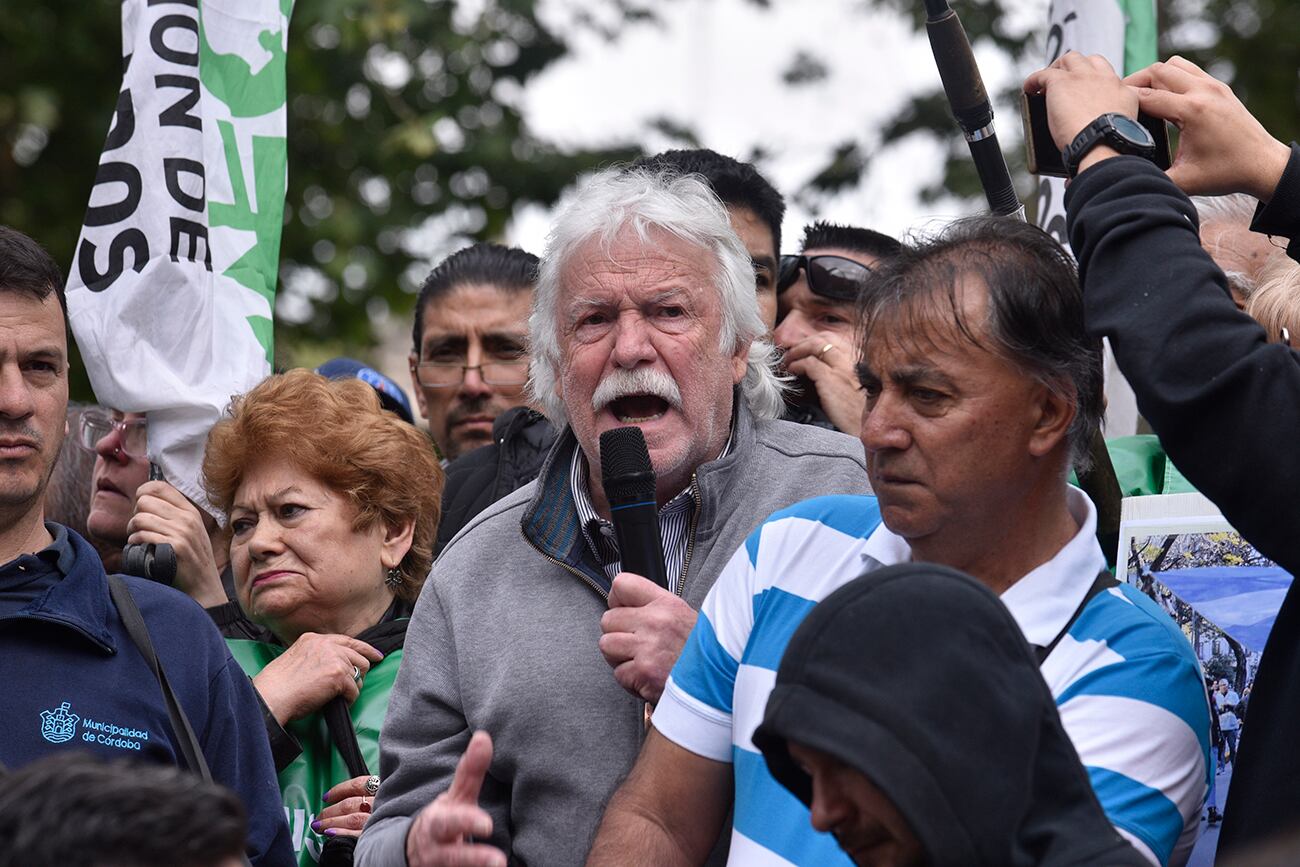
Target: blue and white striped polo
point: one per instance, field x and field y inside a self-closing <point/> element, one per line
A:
<point x="1124" y="678"/>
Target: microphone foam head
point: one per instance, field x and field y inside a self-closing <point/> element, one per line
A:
<point x="626" y="471"/>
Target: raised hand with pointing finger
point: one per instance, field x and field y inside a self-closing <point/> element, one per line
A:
<point x="443" y="833"/>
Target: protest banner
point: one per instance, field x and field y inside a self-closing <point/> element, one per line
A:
<point x="172" y="287"/>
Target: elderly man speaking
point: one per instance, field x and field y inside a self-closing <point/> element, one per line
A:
<point x="646" y="315"/>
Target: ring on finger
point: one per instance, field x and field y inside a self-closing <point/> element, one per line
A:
<point x="825" y="349"/>
<point x="372" y="786"/>
<point x="356" y="675"/>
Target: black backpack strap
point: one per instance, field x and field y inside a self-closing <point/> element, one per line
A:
<point x="1104" y="581"/>
<point x="186" y="742"/>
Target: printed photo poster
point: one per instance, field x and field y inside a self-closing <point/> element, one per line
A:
<point x="1222" y="593"/>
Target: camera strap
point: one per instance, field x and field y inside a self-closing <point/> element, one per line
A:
<point x="1103" y="581"/>
<point x="186" y="742"/>
<point x="133" y="620"/>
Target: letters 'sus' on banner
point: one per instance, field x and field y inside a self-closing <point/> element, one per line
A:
<point x="172" y="287"/>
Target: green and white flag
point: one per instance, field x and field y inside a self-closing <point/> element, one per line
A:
<point x="1124" y="32"/>
<point x="171" y="292"/>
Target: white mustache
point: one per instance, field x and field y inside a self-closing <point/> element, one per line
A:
<point x="641" y="380"/>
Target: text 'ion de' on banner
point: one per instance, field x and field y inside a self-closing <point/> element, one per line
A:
<point x="172" y="288"/>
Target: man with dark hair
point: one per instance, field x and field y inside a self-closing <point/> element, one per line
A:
<point x="981" y="385"/>
<point x="873" y="752"/>
<point x="469" y="347"/>
<point x="71" y="810"/>
<point x="76" y="676"/>
<point x="753" y="204"/>
<point x="476" y="303"/>
<point x="818" y="292"/>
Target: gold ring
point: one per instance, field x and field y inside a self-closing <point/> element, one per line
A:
<point x="825" y="349"/>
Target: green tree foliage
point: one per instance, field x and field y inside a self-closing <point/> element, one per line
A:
<point x="404" y="116"/>
<point x="405" y="137"/>
<point x="1253" y="45"/>
<point x="1222" y="666"/>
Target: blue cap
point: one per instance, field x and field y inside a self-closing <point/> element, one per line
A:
<point x="390" y="393"/>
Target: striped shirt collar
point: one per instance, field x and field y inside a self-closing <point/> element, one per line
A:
<point x="1045" y="599"/>
<point x="674" y="522"/>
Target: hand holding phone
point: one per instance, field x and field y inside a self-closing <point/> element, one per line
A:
<point x="1046" y="159"/>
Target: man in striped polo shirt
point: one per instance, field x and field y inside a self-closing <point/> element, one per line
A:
<point x="981" y="387"/>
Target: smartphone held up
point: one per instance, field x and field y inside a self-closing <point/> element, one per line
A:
<point x="1045" y="158"/>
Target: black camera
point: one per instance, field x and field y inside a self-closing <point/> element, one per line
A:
<point x="155" y="562"/>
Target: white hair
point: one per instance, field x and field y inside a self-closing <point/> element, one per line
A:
<point x="1235" y="210"/>
<point x="1275" y="303"/>
<point x="613" y="201"/>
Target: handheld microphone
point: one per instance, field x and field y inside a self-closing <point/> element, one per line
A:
<point x="629" y="482"/>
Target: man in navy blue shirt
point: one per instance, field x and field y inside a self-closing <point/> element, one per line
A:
<point x="74" y="679"/>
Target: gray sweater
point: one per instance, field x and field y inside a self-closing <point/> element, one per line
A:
<point x="504" y="639"/>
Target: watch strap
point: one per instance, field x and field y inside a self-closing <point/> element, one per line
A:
<point x="1101" y="131"/>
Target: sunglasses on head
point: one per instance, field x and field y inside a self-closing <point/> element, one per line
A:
<point x="831" y="277"/>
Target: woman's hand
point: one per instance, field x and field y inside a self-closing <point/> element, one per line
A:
<point x="163" y="515"/>
<point x="312" y="671"/>
<point x="348" y="810"/>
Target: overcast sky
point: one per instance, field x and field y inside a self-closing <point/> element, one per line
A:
<point x="716" y="65"/>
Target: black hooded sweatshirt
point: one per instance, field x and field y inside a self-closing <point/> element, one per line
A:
<point x="917" y="676"/>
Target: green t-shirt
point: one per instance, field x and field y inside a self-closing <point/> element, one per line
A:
<point x="319" y="767"/>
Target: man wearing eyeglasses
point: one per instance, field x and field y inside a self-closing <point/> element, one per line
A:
<point x="469" y="356"/>
<point x="817" y="294"/>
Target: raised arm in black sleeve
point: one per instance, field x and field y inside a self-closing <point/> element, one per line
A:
<point x="1280" y="216"/>
<point x="1226" y="406"/>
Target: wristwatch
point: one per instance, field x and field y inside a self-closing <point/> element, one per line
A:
<point x="1119" y="131"/>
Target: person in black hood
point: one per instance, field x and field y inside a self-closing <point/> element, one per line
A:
<point x="909" y="714"/>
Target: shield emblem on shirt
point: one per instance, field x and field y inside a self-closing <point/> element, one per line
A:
<point x="58" y="726"/>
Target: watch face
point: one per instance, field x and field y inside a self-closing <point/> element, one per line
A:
<point x="1132" y="130"/>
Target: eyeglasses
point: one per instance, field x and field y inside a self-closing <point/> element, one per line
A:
<point x="95" y="426"/>
<point x="831" y="277"/>
<point x="448" y="374"/>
